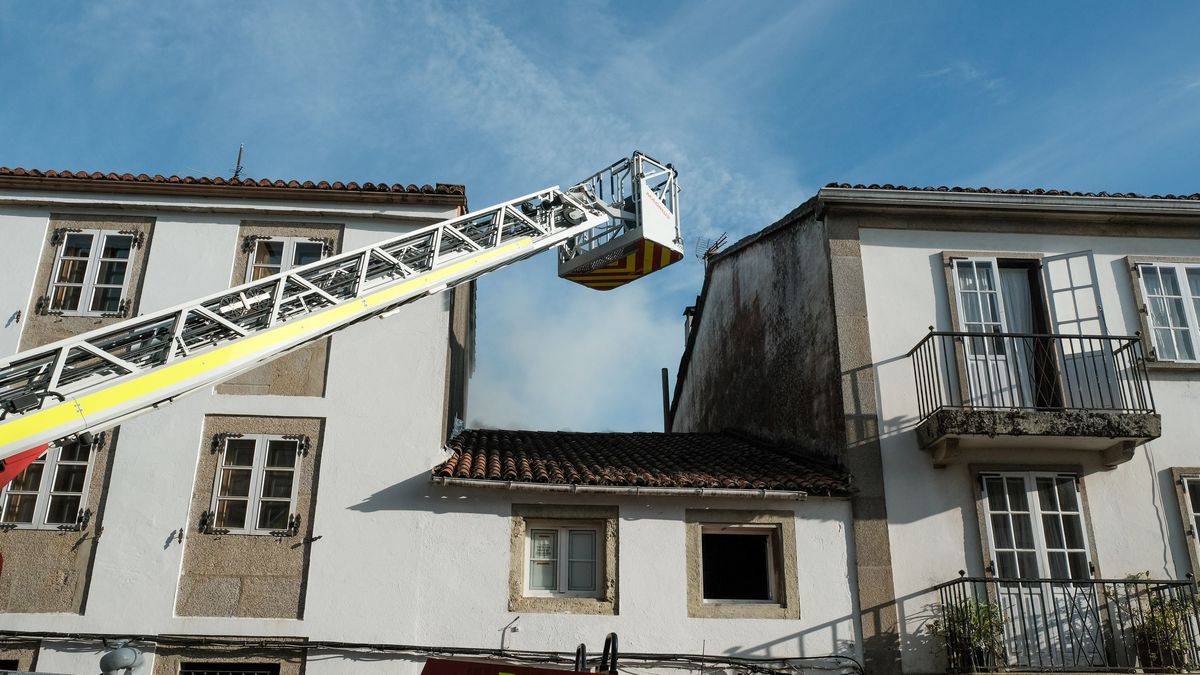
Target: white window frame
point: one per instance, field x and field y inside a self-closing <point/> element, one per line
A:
<point x="774" y="542"/>
<point x="1189" y="308"/>
<point x="258" y="473"/>
<point x="564" y="529"/>
<point x="1192" y="527"/>
<point x="1036" y="521"/>
<point x="287" y="261"/>
<point x="89" y="284"/>
<point x="50" y="464"/>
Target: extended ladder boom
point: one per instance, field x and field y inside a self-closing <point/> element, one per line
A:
<point x="98" y="379"/>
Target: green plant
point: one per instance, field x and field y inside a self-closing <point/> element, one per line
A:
<point x="1162" y="633"/>
<point x="973" y="632"/>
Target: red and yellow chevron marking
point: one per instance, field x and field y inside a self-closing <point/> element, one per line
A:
<point x="648" y="257"/>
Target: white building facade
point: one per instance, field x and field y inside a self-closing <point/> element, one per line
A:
<point x="285" y="521"/>
<point x="1012" y="380"/>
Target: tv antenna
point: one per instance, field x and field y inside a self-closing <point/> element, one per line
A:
<point x="707" y="248"/>
<point x="237" y="169"/>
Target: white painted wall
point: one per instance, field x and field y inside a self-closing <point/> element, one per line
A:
<point x="398" y="559"/>
<point x="932" y="511"/>
<point x="22" y="232"/>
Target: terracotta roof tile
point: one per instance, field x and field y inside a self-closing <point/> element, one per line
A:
<point x="1009" y="191"/>
<point x="714" y="460"/>
<point x="322" y="186"/>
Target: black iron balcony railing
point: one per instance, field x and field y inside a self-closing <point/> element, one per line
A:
<point x="1030" y="371"/>
<point x="1063" y="625"/>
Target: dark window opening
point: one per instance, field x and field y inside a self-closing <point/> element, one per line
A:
<point x="736" y="566"/>
<point x="8" y="664"/>
<point x="229" y="669"/>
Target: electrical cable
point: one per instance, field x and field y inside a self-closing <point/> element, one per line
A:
<point x="753" y="664"/>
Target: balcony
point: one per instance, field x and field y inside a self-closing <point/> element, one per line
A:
<point x="1063" y="625"/>
<point x="1011" y="390"/>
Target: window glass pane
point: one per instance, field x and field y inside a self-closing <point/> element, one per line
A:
<point x="1073" y="529"/>
<point x="1058" y="566"/>
<point x="966" y="275"/>
<point x="1046" y="494"/>
<point x="581" y="576"/>
<point x="1193" y="490"/>
<point x="69" y="478"/>
<point x="1027" y="560"/>
<point x="1165" y="343"/>
<point x="1052" y="529"/>
<point x="231" y="513"/>
<point x="77" y="246"/>
<point x="1067" y="494"/>
<point x="1007" y="562"/>
<point x="269" y="253"/>
<point x="74" y="452"/>
<point x="273" y="515"/>
<point x="235" y="483"/>
<point x="984" y="271"/>
<point x="1002" y="531"/>
<point x="995" y="493"/>
<point x="116" y="246"/>
<point x="28" y="480"/>
<point x="1023" y="529"/>
<point x="970" y="307"/>
<point x="1170" y="282"/>
<point x="582" y="545"/>
<point x="1184" y="340"/>
<point x="106" y="300"/>
<point x="307" y="252"/>
<point x="111" y="272"/>
<point x="71" y="271"/>
<point x="263" y="271"/>
<point x="19" y="508"/>
<point x="277" y="484"/>
<point x="66" y="298"/>
<point x="736" y="566"/>
<point x="543" y="575"/>
<point x="64" y="509"/>
<point x="239" y="452"/>
<point x="543" y="545"/>
<point x="1079" y="566"/>
<point x="281" y="453"/>
<point x="1016" y="494"/>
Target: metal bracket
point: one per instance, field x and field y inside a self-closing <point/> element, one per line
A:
<point x="205" y="526"/>
<point x="326" y="244"/>
<point x="218" y="441"/>
<point x="249" y="240"/>
<point x="292" y="529"/>
<point x="59" y="235"/>
<point x="303" y="443"/>
<point x="81" y="522"/>
<point x="139" y="237"/>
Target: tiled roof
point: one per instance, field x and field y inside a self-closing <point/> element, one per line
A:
<point x="38" y="179"/>
<point x="685" y="460"/>
<point x="1008" y="191"/>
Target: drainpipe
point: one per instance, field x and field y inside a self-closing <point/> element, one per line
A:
<point x="632" y="490"/>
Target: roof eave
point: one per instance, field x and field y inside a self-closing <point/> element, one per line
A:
<point x="629" y="490"/>
<point x="997" y="201"/>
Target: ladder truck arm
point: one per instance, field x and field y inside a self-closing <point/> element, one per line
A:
<point x="619" y="224"/>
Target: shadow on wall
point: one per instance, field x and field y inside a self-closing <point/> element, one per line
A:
<point x="417" y="493"/>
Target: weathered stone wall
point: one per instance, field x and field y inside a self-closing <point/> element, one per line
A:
<point x="246" y="575"/>
<point x="48" y="570"/>
<point x="764" y="356"/>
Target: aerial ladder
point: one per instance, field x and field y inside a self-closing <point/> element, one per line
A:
<point x="618" y="225"/>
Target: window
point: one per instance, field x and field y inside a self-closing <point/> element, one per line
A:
<point x="1035" y="525"/>
<point x="255" y="491"/>
<point x="91" y="272"/>
<point x="562" y="559"/>
<point x="741" y="564"/>
<point x="228" y="668"/>
<point x="1187" y="491"/>
<point x="279" y="254"/>
<point x="51" y="492"/>
<point x="738" y="563"/>
<point x="1172" y="296"/>
<point x="8" y="664"/>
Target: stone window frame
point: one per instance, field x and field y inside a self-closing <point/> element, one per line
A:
<point x="785" y="564"/>
<point x="1191" y="535"/>
<point x="50" y="463"/>
<point x="258" y="472"/>
<point x="170" y="660"/>
<point x="981" y="508"/>
<point x="95" y="260"/>
<point x="604" y="519"/>
<point x="1139" y="297"/>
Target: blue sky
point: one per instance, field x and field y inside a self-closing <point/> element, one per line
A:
<point x="757" y="103"/>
